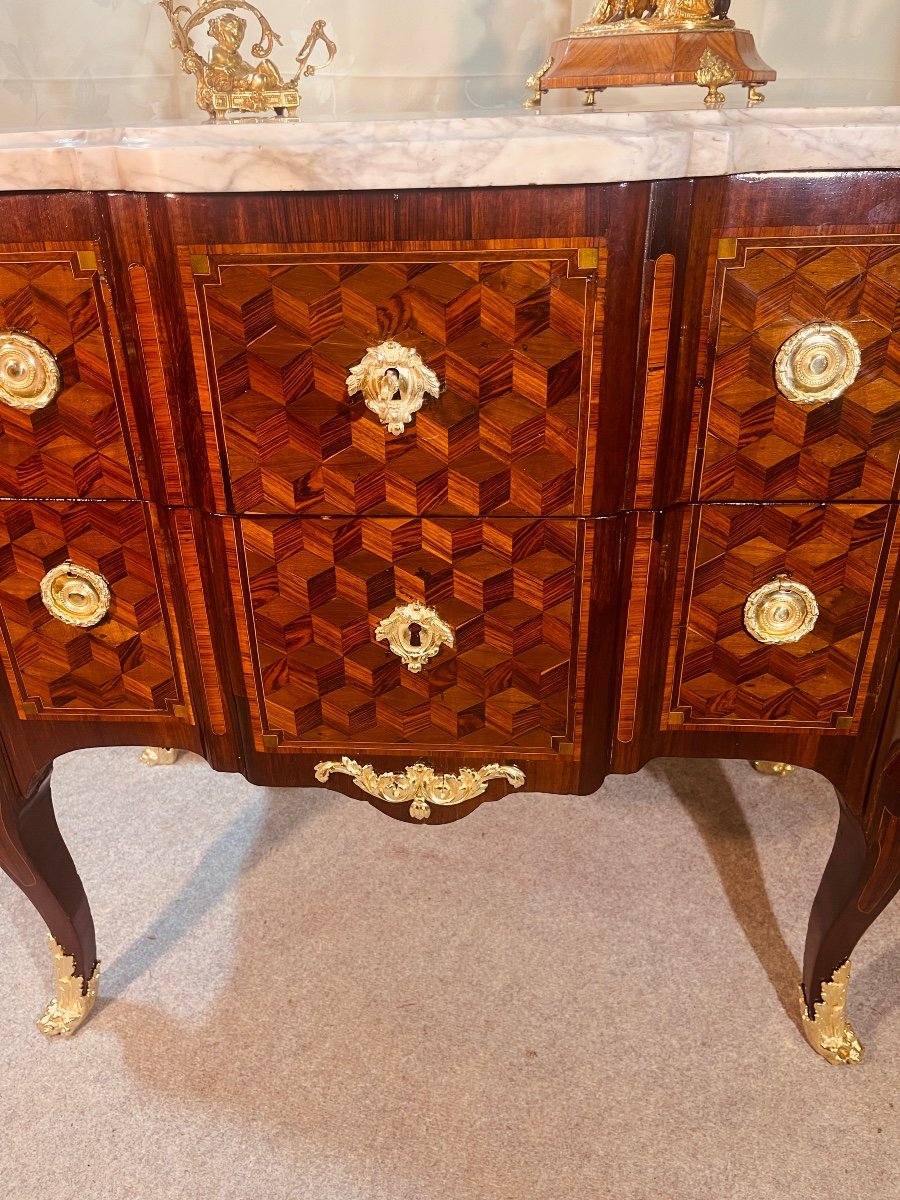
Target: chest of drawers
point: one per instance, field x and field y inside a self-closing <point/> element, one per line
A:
<point x="430" y="496"/>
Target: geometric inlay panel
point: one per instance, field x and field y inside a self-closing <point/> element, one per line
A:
<point x="719" y="674"/>
<point x="758" y="444"/>
<point x="317" y="674"/>
<point x="76" y="446"/>
<point x="511" y="341"/>
<point x="126" y="664"/>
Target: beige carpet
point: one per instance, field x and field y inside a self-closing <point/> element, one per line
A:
<point x="552" y="1000"/>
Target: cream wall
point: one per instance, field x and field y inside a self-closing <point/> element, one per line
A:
<point x="70" y="63"/>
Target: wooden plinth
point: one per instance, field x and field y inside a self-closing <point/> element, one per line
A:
<point x="668" y="57"/>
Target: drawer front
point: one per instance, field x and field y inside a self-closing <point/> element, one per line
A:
<point x="510" y="335"/>
<point x="320" y="670"/>
<point x="764" y="434"/>
<point x="73" y="444"/>
<point x="96" y="564"/>
<point x="720" y="674"/>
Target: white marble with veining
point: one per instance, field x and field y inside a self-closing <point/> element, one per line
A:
<point x="468" y="151"/>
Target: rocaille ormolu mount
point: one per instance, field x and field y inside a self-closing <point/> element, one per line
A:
<point x="629" y="43"/>
<point x="227" y="82"/>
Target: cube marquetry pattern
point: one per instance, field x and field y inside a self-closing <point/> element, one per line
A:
<point x="508" y="588"/>
<point x="722" y="674"/>
<point x="76" y="446"/>
<point x="760" y="445"/>
<point x="124" y="665"/>
<point x="510" y="342"/>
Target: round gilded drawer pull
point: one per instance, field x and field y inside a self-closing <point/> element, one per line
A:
<point x="419" y="786"/>
<point x="75" y="595"/>
<point x="818" y="363"/>
<point x="29" y="374"/>
<point x="415" y="633"/>
<point x="781" y="612"/>
<point x="394" y="383"/>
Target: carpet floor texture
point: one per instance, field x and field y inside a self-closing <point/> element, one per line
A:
<point x="555" y="999"/>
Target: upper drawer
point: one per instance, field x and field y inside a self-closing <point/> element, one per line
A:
<point x="62" y="413"/>
<point x="803" y="376"/>
<point x="508" y="341"/>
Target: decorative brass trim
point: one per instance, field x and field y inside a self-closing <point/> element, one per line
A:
<point x="159" y="756"/>
<point x="228" y="82"/>
<point x="419" y="786"/>
<point x="415" y="634"/>
<point x="394" y="382"/>
<point x="74" y="998"/>
<point x="781" y="612"/>
<point x="828" y="1031"/>
<point x="764" y="767"/>
<point x="533" y="82"/>
<point x="200" y="264"/>
<point x="818" y="363"/>
<point x="75" y="595"/>
<point x="727" y="249"/>
<point x="714" y="72"/>
<point x="87" y="260"/>
<point x="30" y="377"/>
<point x="588" y="258"/>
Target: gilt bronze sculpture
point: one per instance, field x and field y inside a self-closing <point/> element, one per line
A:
<point x="226" y="81"/>
<point x="626" y="43"/>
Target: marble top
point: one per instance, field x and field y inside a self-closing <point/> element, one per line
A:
<point x="511" y="149"/>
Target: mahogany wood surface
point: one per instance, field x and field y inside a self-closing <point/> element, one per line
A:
<point x="608" y="472"/>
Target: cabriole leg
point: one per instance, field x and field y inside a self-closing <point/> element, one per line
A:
<point x="34" y="855"/>
<point x="860" y="880"/>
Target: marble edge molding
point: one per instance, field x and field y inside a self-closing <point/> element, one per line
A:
<point x="469" y="151"/>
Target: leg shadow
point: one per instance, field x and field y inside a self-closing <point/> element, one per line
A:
<point x="710" y="802"/>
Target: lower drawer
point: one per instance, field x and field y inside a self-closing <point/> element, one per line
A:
<point x="485" y="660"/>
<point x="778" y="614"/>
<point x="86" y="627"/>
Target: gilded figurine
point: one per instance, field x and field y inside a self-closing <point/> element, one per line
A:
<point x="668" y="12"/>
<point x="229" y="82"/>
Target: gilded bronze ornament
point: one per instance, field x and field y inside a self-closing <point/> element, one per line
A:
<point x="74" y="998"/>
<point x="780" y="769"/>
<point x="394" y="382"/>
<point x="159" y="756"/>
<point x="712" y="74"/>
<point x="632" y="43"/>
<point x="818" y="363"/>
<point x="828" y="1031"/>
<point x="29" y="374"/>
<point x="419" y="786"/>
<point x="226" y="81"/>
<point x="75" y="595"/>
<point x="415" y="633"/>
<point x="781" y="612"/>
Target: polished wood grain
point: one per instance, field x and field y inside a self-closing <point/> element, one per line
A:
<point x="509" y="589"/>
<point x="77" y="445"/>
<point x="511" y="333"/>
<point x="845" y="554"/>
<point x="756" y="443"/>
<point x="124" y="666"/>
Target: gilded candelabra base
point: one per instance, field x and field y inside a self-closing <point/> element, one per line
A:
<point x="74" y="998"/>
<point x="711" y="55"/>
<point x="828" y="1031"/>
